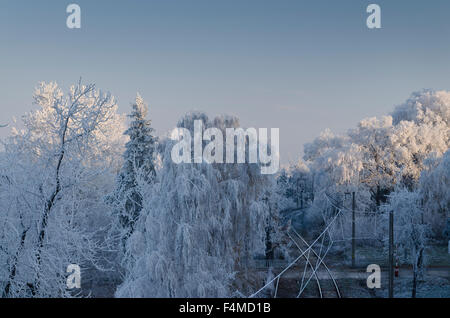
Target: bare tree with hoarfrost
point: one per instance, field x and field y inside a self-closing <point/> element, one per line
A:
<point x="387" y="151"/>
<point x="377" y="157"/>
<point x="54" y="173"/>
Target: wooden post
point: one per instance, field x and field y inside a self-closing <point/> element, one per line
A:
<point x="301" y="200"/>
<point x="269" y="247"/>
<point x="353" y="230"/>
<point x="391" y="254"/>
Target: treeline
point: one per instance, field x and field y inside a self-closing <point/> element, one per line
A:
<point x="79" y="187"/>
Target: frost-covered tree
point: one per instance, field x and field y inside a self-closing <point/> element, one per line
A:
<point x="54" y="173"/>
<point x="295" y="184"/>
<point x="138" y="170"/>
<point x="434" y="189"/>
<point x="376" y="157"/>
<point x="410" y="231"/>
<point x="201" y="225"/>
<point x="395" y="148"/>
<point x="382" y="153"/>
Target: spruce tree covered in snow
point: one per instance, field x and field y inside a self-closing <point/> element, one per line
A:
<point x="138" y="170"/>
<point x="200" y="228"/>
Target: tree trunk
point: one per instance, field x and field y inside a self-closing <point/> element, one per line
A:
<point x="416" y="268"/>
<point x="44" y="222"/>
<point x="12" y="274"/>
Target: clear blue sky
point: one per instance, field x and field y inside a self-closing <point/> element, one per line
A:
<point x="301" y="66"/>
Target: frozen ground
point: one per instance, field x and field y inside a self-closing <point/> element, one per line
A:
<point x="352" y="282"/>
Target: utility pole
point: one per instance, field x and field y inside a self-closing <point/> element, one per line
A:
<point x="391" y="254"/>
<point x="301" y="200"/>
<point x="269" y="247"/>
<point x="353" y="229"/>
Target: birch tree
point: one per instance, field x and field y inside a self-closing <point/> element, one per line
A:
<point x="55" y="172"/>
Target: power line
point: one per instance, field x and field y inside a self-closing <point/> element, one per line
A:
<point x="298" y="258"/>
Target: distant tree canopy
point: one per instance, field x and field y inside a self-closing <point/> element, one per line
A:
<point x="381" y="154"/>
